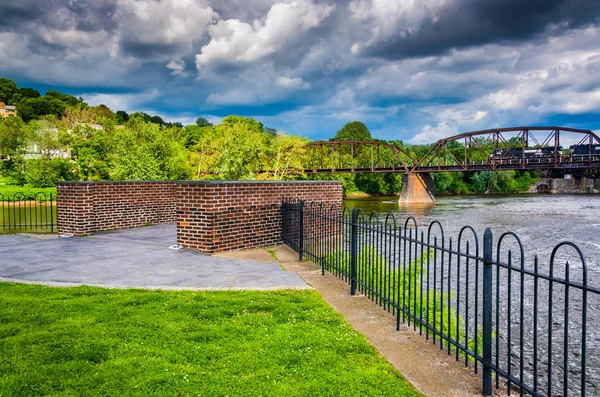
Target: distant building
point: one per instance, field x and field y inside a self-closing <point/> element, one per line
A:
<point x="7" y="111"/>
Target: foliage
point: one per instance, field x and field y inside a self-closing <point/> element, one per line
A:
<point x="193" y="134"/>
<point x="286" y="153"/>
<point x="121" y="117"/>
<point x="402" y="286"/>
<point x="90" y="150"/>
<point x="202" y="122"/>
<point x="144" y="151"/>
<point x="8" y="89"/>
<point x="104" y="145"/>
<point x="234" y="149"/>
<point x="95" y="341"/>
<point x="13" y="137"/>
<point x="353" y="131"/>
<point x="44" y="172"/>
<point x="7" y="192"/>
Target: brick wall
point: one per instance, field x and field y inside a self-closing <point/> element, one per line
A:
<point x="212" y="216"/>
<point x="88" y="207"/>
<point x="216" y="216"/>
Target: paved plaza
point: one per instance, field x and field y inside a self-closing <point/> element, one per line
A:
<point x="136" y="258"/>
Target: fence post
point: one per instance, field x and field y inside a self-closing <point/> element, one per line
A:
<point x="354" y="251"/>
<point x="51" y="216"/>
<point x="487" y="312"/>
<point x="301" y="242"/>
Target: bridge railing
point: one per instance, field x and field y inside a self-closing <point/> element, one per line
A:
<point x="531" y="327"/>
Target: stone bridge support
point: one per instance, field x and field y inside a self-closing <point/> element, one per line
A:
<point x="417" y="188"/>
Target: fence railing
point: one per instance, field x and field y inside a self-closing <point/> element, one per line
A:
<point x="534" y="329"/>
<point x="23" y="213"/>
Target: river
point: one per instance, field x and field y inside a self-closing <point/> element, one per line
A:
<point x="541" y="222"/>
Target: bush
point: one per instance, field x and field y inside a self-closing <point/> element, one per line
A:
<point x="7" y="193"/>
<point x="45" y="172"/>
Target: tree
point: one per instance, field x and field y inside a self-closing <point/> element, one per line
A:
<point x="157" y="120"/>
<point x="145" y="151"/>
<point x="122" y="117"/>
<point x="74" y="115"/>
<point x="202" y="122"/>
<point x="103" y="111"/>
<point x="90" y="149"/>
<point x="234" y="149"/>
<point x="8" y="89"/>
<point x="34" y="108"/>
<point x="286" y="153"/>
<point x="13" y="137"/>
<point x="44" y="135"/>
<point x="24" y="93"/>
<point x="193" y="134"/>
<point x="353" y="131"/>
<point x="67" y="99"/>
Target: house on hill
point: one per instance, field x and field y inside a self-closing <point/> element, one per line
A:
<point x="7" y="111"/>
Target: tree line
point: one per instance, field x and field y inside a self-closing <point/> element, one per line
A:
<point x="59" y="137"/>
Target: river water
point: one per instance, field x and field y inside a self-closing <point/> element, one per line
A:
<point x="541" y="222"/>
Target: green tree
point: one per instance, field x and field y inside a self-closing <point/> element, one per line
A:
<point x="121" y="117"/>
<point x="353" y="131"/>
<point x="13" y="137"/>
<point x="68" y="100"/>
<point x="24" y="93"/>
<point x="193" y="134"/>
<point x="8" y="89"/>
<point x="202" y="122"/>
<point x="145" y="151"/>
<point x="44" y="172"/>
<point x="286" y="153"/>
<point x="43" y="136"/>
<point x="90" y="149"/>
<point x="35" y="108"/>
<point x="234" y="149"/>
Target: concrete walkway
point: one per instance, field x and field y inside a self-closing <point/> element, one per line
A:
<point x="136" y="258"/>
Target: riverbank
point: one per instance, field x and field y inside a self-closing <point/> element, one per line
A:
<point x="584" y="186"/>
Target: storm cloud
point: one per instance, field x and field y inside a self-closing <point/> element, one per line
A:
<point x="410" y="70"/>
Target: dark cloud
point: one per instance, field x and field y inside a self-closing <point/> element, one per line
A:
<point x="147" y="50"/>
<point x="474" y="22"/>
<point x="13" y="13"/>
<point x="30" y="15"/>
<point x="92" y="16"/>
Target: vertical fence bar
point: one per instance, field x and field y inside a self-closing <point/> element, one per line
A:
<point x="301" y="231"/>
<point x="487" y="312"/>
<point x="353" y="250"/>
<point x="51" y="215"/>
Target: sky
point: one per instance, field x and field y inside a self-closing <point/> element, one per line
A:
<point x="415" y="70"/>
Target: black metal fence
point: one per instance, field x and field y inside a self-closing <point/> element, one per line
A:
<point x="22" y="213"/>
<point x="532" y="328"/>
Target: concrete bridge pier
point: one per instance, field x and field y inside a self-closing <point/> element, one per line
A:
<point x="417" y="188"/>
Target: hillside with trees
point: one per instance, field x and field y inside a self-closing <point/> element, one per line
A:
<point x="59" y="137"/>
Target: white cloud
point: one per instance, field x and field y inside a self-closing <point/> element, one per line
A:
<point x="392" y="18"/>
<point x="235" y="42"/>
<point x="295" y="83"/>
<point x="145" y="24"/>
<point x="127" y="102"/>
<point x="177" y="67"/>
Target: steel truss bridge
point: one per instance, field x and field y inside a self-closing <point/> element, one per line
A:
<point x="521" y="148"/>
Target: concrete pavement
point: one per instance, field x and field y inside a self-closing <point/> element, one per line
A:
<point x="133" y="258"/>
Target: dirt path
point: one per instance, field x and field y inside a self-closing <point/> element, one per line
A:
<point x="423" y="364"/>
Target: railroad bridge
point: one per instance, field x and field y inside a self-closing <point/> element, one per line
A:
<point x="519" y="148"/>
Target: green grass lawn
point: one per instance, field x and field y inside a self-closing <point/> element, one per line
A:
<point x="90" y="341"/>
